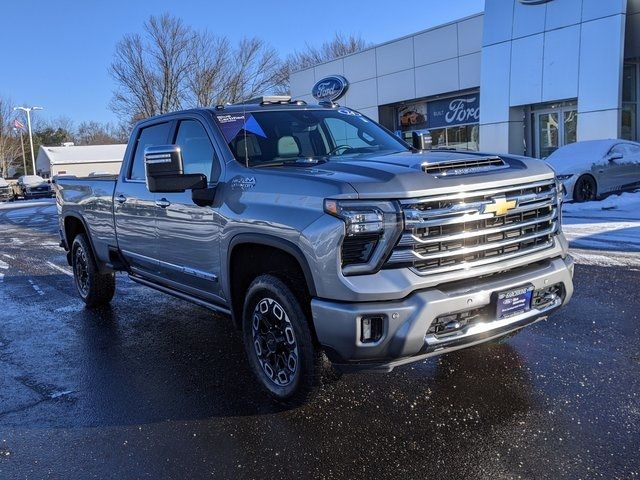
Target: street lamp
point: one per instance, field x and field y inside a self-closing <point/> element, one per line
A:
<point x="28" y="110"/>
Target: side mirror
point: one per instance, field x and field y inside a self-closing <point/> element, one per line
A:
<point x="165" y="171"/>
<point x="614" y="156"/>
<point x="421" y="140"/>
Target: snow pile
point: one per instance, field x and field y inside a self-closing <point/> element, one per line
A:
<point x="611" y="224"/>
<point x="624" y="206"/>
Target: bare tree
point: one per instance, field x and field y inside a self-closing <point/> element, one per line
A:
<point x="151" y="70"/>
<point x="207" y="81"/>
<point x="95" y="133"/>
<point x="9" y="142"/>
<point x="339" y="46"/>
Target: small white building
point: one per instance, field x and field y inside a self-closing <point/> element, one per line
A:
<point x="70" y="159"/>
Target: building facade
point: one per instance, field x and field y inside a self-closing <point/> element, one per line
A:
<point x="80" y="160"/>
<point x="524" y="77"/>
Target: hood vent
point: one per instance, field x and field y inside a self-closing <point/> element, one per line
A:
<point x="464" y="166"/>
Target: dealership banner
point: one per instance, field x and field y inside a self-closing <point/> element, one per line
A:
<point x="454" y="111"/>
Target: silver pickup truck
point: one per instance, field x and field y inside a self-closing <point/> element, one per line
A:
<point x="323" y="236"/>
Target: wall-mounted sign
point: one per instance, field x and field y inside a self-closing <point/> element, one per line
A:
<point x="454" y="111"/>
<point x="330" y="88"/>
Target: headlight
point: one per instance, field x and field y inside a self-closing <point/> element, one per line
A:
<point x="371" y="230"/>
<point x="562" y="178"/>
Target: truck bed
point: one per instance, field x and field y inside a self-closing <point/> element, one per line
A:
<point x="90" y="199"/>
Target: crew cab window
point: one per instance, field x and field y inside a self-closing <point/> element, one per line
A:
<point x="149" y="136"/>
<point x="197" y="150"/>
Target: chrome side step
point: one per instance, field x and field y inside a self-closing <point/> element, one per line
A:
<point x="181" y="295"/>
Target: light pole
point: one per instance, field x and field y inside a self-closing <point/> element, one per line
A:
<point x="28" y="110"/>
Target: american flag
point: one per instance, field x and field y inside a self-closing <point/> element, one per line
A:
<point x="18" y="124"/>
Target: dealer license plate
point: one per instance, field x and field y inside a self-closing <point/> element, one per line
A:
<point x="514" y="302"/>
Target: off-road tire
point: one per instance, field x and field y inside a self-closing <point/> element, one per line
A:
<point x="96" y="289"/>
<point x="264" y="298"/>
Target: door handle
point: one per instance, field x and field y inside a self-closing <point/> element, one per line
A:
<point x="163" y="203"/>
<point x="121" y="199"/>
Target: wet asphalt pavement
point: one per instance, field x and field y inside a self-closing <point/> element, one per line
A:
<point x="154" y="387"/>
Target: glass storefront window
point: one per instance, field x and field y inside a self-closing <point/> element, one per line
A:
<point x="570" y="126"/>
<point x="629" y="121"/>
<point x="547" y="133"/>
<point x="629" y="83"/>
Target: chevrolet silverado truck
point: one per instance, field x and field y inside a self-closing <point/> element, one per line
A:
<point x="323" y="236"/>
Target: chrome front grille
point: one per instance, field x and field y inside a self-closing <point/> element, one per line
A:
<point x="461" y="231"/>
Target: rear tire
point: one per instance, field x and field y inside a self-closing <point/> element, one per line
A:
<point x="279" y="342"/>
<point x="585" y="189"/>
<point x="95" y="288"/>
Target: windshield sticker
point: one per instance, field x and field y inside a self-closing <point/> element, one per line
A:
<point x="346" y="111"/>
<point x="232" y="123"/>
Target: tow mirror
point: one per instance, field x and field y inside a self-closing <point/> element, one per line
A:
<point x="165" y="171"/>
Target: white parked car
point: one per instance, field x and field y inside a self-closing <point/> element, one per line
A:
<point x="594" y="168"/>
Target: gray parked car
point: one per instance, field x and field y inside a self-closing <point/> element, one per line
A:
<point x="33" y="186"/>
<point x="322" y="234"/>
<point x="6" y="191"/>
<point x="594" y="168"/>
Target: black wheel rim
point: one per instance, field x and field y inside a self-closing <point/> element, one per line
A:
<point x="274" y="342"/>
<point x="81" y="271"/>
<point x="587" y="190"/>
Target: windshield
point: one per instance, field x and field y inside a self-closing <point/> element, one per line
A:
<point x="31" y="179"/>
<point x="306" y="137"/>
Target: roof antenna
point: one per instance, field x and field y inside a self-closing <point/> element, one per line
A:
<point x="244" y="129"/>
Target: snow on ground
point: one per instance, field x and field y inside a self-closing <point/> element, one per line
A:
<point x="612" y="224"/>
<point x="43" y="202"/>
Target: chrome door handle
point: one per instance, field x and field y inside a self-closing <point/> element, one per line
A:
<point x="163" y="203"/>
<point x="121" y="199"/>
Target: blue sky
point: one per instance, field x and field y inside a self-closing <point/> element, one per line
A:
<point x="56" y="53"/>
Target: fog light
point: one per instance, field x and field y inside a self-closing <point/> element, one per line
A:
<point x="371" y="329"/>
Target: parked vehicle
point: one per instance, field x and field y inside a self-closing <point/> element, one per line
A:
<point x="594" y="168"/>
<point x="321" y="233"/>
<point x="33" y="186"/>
<point x="6" y="191"/>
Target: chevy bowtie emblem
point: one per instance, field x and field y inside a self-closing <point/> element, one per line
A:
<point x="499" y="206"/>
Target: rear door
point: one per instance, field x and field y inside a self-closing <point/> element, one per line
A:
<point x="188" y="235"/>
<point x="134" y="205"/>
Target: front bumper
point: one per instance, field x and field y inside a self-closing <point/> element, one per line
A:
<point x="405" y="336"/>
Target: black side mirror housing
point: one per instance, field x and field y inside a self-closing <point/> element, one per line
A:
<point x="614" y="156"/>
<point x="165" y="171"/>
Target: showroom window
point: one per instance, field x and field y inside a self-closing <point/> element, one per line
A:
<point x="629" y="113"/>
<point x="554" y="125"/>
<point x="451" y="122"/>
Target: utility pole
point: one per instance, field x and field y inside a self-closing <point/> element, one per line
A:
<point x="24" y="159"/>
<point x="28" y="110"/>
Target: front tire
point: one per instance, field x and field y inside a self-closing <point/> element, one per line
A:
<point x="279" y="342"/>
<point x="585" y="189"/>
<point x="96" y="289"/>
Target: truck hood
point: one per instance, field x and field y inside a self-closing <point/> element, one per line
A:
<point x="401" y="175"/>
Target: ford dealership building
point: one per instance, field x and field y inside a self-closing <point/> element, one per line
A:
<point x="524" y="76"/>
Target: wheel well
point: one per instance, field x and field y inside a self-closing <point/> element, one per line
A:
<point x="72" y="227"/>
<point x="249" y="260"/>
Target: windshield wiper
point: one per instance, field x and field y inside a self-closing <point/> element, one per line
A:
<point x="301" y="162"/>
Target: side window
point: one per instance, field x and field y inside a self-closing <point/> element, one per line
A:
<point x="197" y="151"/>
<point x="149" y="136"/>
<point x="631" y="150"/>
<point x="619" y="149"/>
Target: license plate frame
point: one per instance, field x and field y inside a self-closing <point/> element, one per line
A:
<point x="514" y="301"/>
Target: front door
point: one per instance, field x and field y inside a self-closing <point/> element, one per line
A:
<point x="188" y="235"/>
<point x="135" y="208"/>
<point x="554" y="129"/>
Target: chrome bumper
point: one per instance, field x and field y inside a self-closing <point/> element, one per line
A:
<point x="407" y="321"/>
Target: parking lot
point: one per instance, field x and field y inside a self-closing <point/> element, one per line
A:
<point x="154" y="387"/>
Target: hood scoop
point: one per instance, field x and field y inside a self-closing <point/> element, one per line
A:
<point x="464" y="166"/>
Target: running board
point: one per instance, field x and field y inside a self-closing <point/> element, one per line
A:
<point x="180" y="295"/>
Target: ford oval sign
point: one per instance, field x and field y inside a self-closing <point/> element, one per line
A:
<point x="330" y="88"/>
